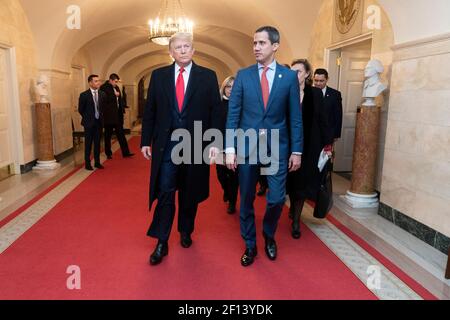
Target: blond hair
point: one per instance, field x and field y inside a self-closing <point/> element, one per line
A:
<point x="225" y="83"/>
<point x="181" y="36"/>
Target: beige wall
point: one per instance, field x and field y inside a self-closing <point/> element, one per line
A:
<point x="325" y="31"/>
<point x="15" y="33"/>
<point x="416" y="171"/>
<point x="413" y="166"/>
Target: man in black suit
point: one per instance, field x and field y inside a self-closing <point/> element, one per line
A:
<point x="178" y="96"/>
<point x="333" y="101"/>
<point x="90" y="106"/>
<point x="114" y="110"/>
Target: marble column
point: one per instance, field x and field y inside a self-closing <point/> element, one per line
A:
<point x="46" y="158"/>
<point x="362" y="192"/>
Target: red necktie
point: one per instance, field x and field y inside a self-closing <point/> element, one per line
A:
<point x="265" y="87"/>
<point x="180" y="89"/>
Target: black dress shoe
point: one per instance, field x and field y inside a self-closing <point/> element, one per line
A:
<point x="261" y="191"/>
<point x="270" y="247"/>
<point x="296" y="232"/>
<point x="249" y="256"/>
<point x="109" y="157"/>
<point x="128" y="155"/>
<point x="89" y="167"/>
<point x="99" y="166"/>
<point x="161" y="250"/>
<point x="186" y="240"/>
<point x="231" y="208"/>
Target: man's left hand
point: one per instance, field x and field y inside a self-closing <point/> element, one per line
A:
<point x="295" y="162"/>
<point x="213" y="153"/>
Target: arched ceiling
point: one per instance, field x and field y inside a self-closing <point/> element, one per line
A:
<point x="115" y="31"/>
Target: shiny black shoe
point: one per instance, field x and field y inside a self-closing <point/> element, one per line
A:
<point x="270" y="247"/>
<point x="231" y="208"/>
<point x="89" y="167"/>
<point x="99" y="166"/>
<point x="249" y="256"/>
<point x="186" y="240"/>
<point x="128" y="155"/>
<point x="296" y="232"/>
<point x="161" y="250"/>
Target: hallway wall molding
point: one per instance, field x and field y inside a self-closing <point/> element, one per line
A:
<point x="425" y="47"/>
<point x="428" y="235"/>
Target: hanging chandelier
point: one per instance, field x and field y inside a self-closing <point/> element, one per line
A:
<point x="171" y="19"/>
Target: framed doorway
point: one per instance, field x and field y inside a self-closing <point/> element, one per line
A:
<point x="346" y="62"/>
<point x="11" y="139"/>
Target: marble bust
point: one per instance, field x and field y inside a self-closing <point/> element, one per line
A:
<point x="373" y="86"/>
<point x="41" y="88"/>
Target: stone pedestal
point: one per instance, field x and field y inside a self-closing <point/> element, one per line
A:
<point x="46" y="158"/>
<point x="362" y="192"/>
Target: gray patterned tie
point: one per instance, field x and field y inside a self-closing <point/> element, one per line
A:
<point x="97" y="114"/>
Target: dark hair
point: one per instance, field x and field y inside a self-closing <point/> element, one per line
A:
<point x="114" y="76"/>
<point x="92" y="76"/>
<point x="322" y="72"/>
<point x="308" y="69"/>
<point x="274" y="35"/>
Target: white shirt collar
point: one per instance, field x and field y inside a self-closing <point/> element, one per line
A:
<point x="271" y="66"/>
<point x="93" y="90"/>
<point x="187" y="68"/>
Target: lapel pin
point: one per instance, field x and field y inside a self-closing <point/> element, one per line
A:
<point x="280" y="76"/>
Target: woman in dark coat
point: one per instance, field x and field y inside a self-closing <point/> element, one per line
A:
<point x="228" y="179"/>
<point x="318" y="135"/>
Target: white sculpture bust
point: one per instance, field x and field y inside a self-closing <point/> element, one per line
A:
<point x="42" y="89"/>
<point x="373" y="86"/>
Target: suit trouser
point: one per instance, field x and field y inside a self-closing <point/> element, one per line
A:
<point x="276" y="197"/>
<point x="163" y="217"/>
<point x="120" y="134"/>
<point x="229" y="181"/>
<point x="92" y="135"/>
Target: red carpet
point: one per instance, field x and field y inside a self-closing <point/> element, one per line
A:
<point x="101" y="227"/>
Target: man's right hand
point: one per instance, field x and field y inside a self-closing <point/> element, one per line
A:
<point x="147" y="152"/>
<point x="230" y="160"/>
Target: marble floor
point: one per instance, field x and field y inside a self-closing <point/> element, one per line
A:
<point x="420" y="261"/>
<point x="416" y="258"/>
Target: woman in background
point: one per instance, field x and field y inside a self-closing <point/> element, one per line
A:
<point x="228" y="179"/>
<point x="318" y="135"/>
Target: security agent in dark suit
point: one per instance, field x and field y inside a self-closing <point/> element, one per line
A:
<point x="90" y="107"/>
<point x="114" y="109"/>
<point x="179" y="95"/>
<point x="332" y="100"/>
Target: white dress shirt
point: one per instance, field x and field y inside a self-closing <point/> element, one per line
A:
<point x="186" y="74"/>
<point x="324" y="90"/>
